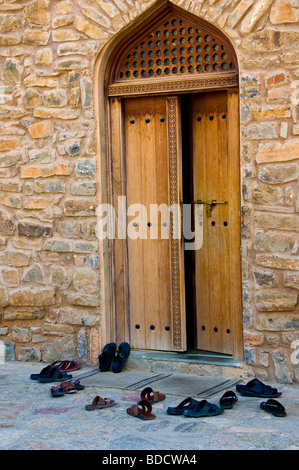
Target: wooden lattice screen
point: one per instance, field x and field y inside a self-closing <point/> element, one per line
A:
<point x="174" y="46"/>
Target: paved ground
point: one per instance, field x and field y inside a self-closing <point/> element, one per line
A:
<point x="30" y="419"/>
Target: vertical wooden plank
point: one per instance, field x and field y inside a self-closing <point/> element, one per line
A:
<point x="200" y="174"/>
<point x="213" y="239"/>
<point x="235" y="218"/>
<point x="120" y="327"/>
<point x="149" y="189"/>
<point x="223" y="224"/>
<point x="148" y="184"/>
<point x="134" y="183"/>
<point x="213" y="260"/>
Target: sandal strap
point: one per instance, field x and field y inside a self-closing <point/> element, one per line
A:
<point x="152" y="396"/>
<point x="67" y="386"/>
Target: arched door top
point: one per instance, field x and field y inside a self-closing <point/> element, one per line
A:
<point x="172" y="50"/>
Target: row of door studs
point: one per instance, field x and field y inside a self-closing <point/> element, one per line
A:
<point x="152" y="327"/>
<point x="215" y="329"/>
<point x="167" y="328"/>
<point x="213" y="223"/>
<point x="147" y="120"/>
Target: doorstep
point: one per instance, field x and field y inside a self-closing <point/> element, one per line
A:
<point x="186" y="363"/>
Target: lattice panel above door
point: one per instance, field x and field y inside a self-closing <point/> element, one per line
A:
<point x="175" y="46"/>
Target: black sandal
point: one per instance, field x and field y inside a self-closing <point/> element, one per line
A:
<point x="54" y="375"/>
<point x="273" y="407"/>
<point x="256" y="388"/>
<point x="105" y="358"/>
<point x="187" y="404"/>
<point x="120" y="357"/>
<point x="228" y="400"/>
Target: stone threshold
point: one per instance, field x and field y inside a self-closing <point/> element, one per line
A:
<point x="200" y="362"/>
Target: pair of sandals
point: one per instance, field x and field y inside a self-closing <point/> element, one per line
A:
<point x="56" y="372"/>
<point x="195" y="409"/>
<point x="256" y="388"/>
<point x="66" y="388"/>
<point x="114" y="357"/>
<point x="143" y="409"/>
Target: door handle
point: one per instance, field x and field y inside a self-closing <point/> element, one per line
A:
<point x="209" y="205"/>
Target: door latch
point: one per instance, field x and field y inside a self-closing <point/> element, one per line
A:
<point x="209" y="205"/>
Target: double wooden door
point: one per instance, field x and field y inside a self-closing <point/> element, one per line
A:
<point x="149" y="157"/>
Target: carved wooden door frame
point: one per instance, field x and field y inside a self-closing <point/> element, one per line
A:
<point x="109" y="98"/>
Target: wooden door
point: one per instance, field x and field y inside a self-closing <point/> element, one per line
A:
<point x="213" y="179"/>
<point x="150" y="294"/>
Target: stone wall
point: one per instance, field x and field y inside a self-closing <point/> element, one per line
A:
<point x="51" y="266"/>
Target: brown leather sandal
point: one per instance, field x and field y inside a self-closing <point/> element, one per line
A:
<point x="142" y="410"/>
<point x="98" y="403"/>
<point x="151" y="396"/>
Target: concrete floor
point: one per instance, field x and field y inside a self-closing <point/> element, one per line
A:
<point x="30" y="419"/>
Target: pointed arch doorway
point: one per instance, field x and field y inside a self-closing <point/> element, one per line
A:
<point x="171" y="88"/>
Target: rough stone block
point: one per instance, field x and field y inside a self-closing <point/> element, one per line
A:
<point x="86" y="168"/>
<point x="32" y="230"/>
<point x="59" y="349"/>
<point x="264" y="279"/>
<point x="278" y="152"/>
<point x="34" y="274"/>
<point x="260" y="131"/>
<point x="60" y="278"/>
<point x="45" y="172"/>
<point x="23" y="314"/>
<point x="60" y="246"/>
<point x="7" y="225"/>
<point x="265" y="194"/>
<point x="3" y="297"/>
<point x="274" y="301"/>
<point x="32" y="297"/>
<point x="38" y="37"/>
<point x="53" y="186"/>
<point x="9" y="143"/>
<point x="80" y="207"/>
<point x="277" y="221"/>
<point x="40" y="130"/>
<point x="55" y="98"/>
<point x="84" y="188"/>
<point x="277" y="174"/>
<point x="86" y="281"/>
<point x="269" y="241"/>
<point x="37" y="13"/>
<point x="13" y="258"/>
<point x="28" y="354"/>
<point x="291" y="280"/>
<point x="77" y="298"/>
<point x="10" y="277"/>
<point x="20" y="335"/>
<point x="278" y="261"/>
